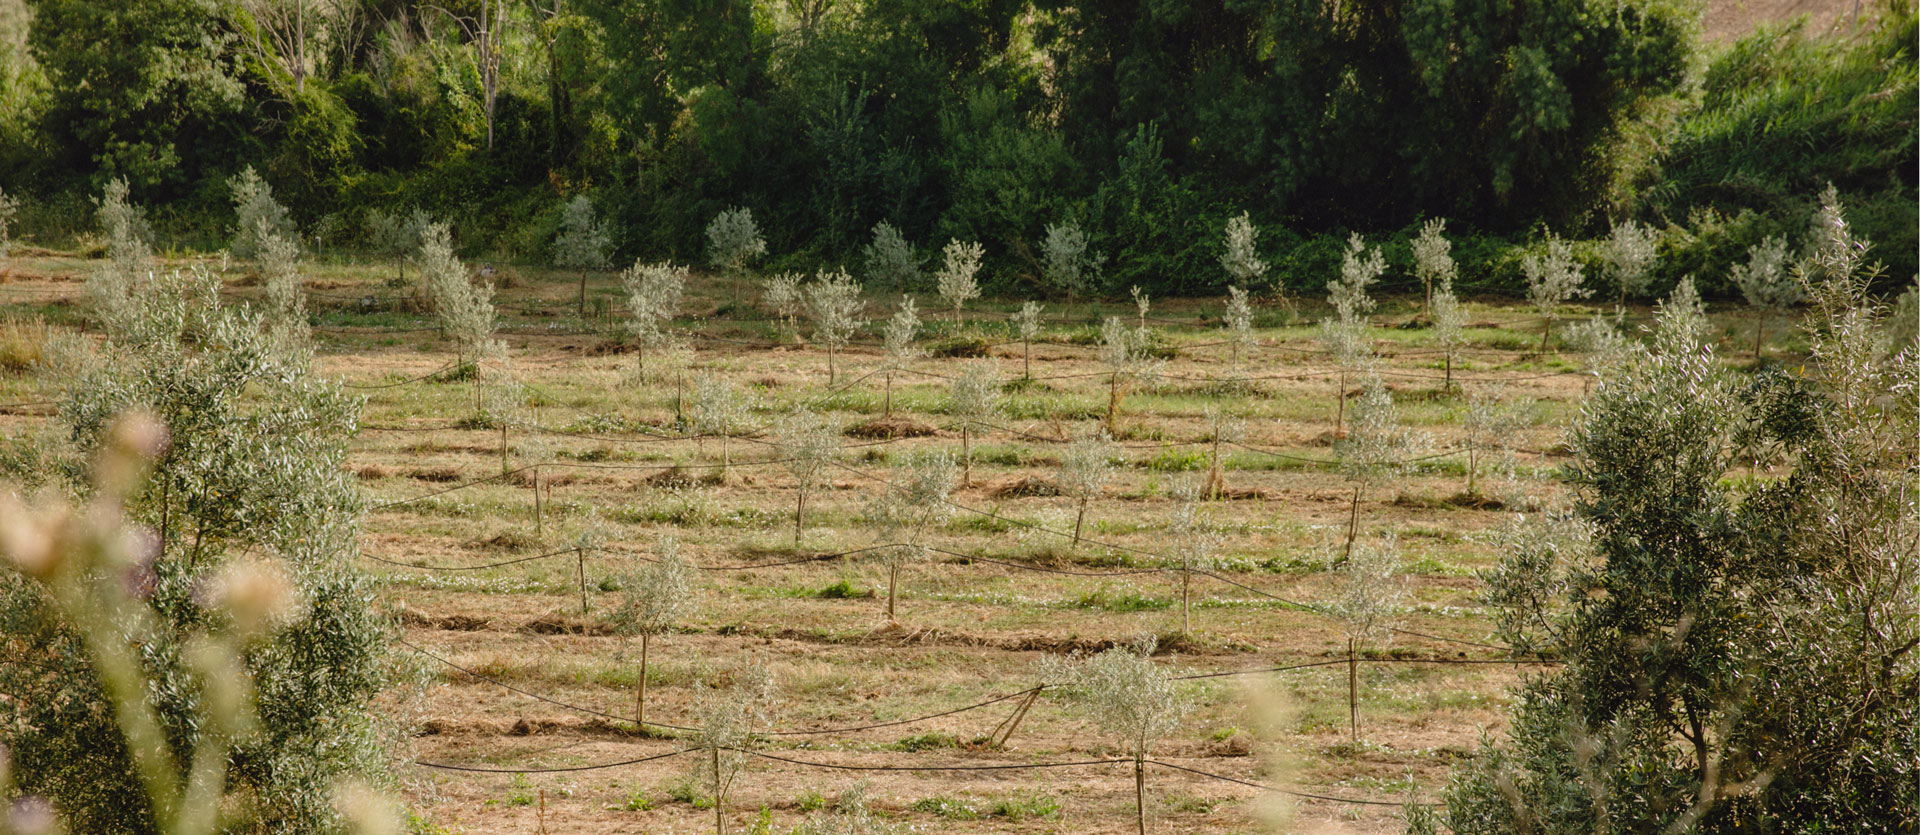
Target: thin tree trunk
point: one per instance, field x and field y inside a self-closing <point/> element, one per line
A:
<point x="1113" y="402"/>
<point x="583" y="293"/>
<point x="1353" y="690"/>
<point x="1759" y="329"/>
<point x="1545" y="334"/>
<point x="1186" y="602"/>
<point x="966" y="454"/>
<point x="1340" y="411"/>
<point x="1140" y="789"/>
<point x="1353" y="524"/>
<point x="1026" y="358"/>
<point x="1449" y="369"/>
<point x="1473" y="466"/>
<point x="640" y="701"/>
<point x="539" y="515"/>
<point x="889" y="409"/>
<point x="503" y="446"/>
<point x="893" y="577"/>
<point x="719" y="820"/>
<point x="799" y="508"/>
<point x="1079" y="519"/>
<point x="1216" y="477"/>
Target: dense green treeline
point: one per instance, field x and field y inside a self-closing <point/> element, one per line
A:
<point x="1149" y="123"/>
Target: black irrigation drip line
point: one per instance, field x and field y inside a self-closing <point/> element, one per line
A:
<point x="750" y="566"/>
<point x="1043" y="570"/>
<point x="560" y="770"/>
<point x="1258" y="671"/>
<point x="820" y="732"/>
<point x="1300" y="794"/>
<point x="528" y="693"/>
<point x="1008" y="767"/>
<point x="462" y="486"/>
<point x="514" y="561"/>
<point x="449" y="367"/>
<point x="1334" y="462"/>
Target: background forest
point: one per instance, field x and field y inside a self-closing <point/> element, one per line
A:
<point x="1147" y="123"/>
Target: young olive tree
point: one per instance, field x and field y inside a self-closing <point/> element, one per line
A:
<point x="890" y="259"/>
<point x="1065" y="261"/>
<point x="1241" y="259"/>
<point x="1449" y="324"/>
<point x="463" y="308"/>
<point x="1767" y="283"/>
<point x="974" y="398"/>
<point x="1602" y="348"/>
<point x="1239" y="320"/>
<point x="1196" y="545"/>
<point x="897" y="338"/>
<point x="1686" y="309"/>
<point x="653" y="299"/>
<point x="1370" y="591"/>
<point x="907" y="510"/>
<point x="1142" y="304"/>
<point x="1553" y="279"/>
<point x="582" y="243"/>
<point x="1433" y="260"/>
<point x="1629" y="255"/>
<point x="955" y="279"/>
<point x="247" y="468"/>
<point x="781" y="294"/>
<point x="733" y="241"/>
<point x="836" y="309"/>
<point x="1085" y="467"/>
<point x="655" y="598"/>
<point x="280" y="270"/>
<point x="1129" y="697"/>
<point x="1223" y="427"/>
<point x="1377" y="446"/>
<point x="1026" y="325"/>
<point x="1128" y="356"/>
<point x="259" y="215"/>
<point x="129" y="265"/>
<point x="1709" y="616"/>
<point x="1488" y="426"/>
<point x="1345" y="333"/>
<point x="720" y="409"/>
<point x="730" y="719"/>
<point x="809" y="443"/>
<point x="73" y="563"/>
<point x="395" y="237"/>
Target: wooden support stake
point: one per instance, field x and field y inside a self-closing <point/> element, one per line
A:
<point x="580" y="559"/>
<point x="998" y="739"/>
<point x="1353" y="690"/>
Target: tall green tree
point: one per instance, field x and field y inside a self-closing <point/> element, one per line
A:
<point x="138" y="89"/>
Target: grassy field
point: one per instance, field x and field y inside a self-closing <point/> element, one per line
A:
<point x="508" y="657"/>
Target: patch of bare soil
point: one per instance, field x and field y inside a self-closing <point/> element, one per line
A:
<point x="554" y="624"/>
<point x="888" y="428"/>
<point x="1020" y="487"/>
